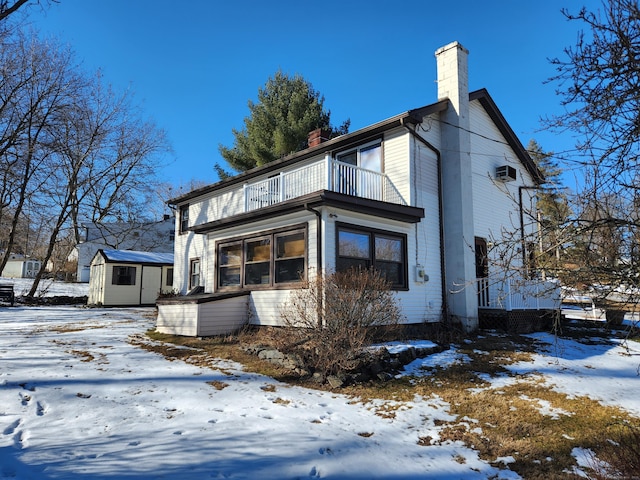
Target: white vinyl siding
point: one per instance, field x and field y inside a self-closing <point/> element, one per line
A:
<point x="203" y="319"/>
<point x="396" y="161"/>
<point x="495" y="203"/>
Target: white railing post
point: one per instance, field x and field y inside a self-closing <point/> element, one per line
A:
<point x="283" y="197"/>
<point x="329" y="171"/>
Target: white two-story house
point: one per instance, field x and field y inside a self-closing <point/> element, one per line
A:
<point x="422" y="197"/>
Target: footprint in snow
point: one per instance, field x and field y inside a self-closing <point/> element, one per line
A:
<point x="41" y="409"/>
<point x="20" y="439"/>
<point x="314" y="472"/>
<point x="11" y="428"/>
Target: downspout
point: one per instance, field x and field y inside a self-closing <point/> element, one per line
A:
<point x="318" y="259"/>
<point x="318" y="236"/>
<point x="443" y="279"/>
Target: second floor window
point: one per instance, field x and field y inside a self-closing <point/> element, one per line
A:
<point x="368" y="157"/>
<point x="358" y="172"/>
<point x="184" y="218"/>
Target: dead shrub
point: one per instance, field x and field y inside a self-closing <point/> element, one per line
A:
<point x="334" y="317"/>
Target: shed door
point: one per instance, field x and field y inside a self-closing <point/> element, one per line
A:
<point x="150" y="285"/>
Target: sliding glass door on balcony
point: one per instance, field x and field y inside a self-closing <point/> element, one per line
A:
<point x="357" y="172"/>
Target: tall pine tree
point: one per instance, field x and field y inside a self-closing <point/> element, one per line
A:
<point x="288" y="108"/>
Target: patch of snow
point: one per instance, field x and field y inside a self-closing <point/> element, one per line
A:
<point x="132" y="256"/>
<point x="586" y="458"/>
<point x="397" y="347"/>
<point x="545" y="407"/>
<point x="608" y="373"/>
<point x="443" y="359"/>
<point x="79" y="399"/>
<point x="47" y="287"/>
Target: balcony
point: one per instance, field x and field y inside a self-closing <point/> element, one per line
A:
<point x="327" y="174"/>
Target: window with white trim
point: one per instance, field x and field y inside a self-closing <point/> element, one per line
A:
<point x="184" y="218"/>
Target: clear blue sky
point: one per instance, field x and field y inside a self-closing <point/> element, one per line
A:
<point x="194" y="65"/>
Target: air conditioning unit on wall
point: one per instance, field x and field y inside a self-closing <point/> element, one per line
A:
<point x="505" y="173"/>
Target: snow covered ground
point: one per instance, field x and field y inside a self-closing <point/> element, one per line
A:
<point x="78" y="399"/>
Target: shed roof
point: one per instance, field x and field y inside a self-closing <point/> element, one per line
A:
<point x="131" y="256"/>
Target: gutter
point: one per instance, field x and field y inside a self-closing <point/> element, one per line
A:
<point x="443" y="279"/>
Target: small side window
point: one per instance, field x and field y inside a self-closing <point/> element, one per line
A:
<point x="184" y="218"/>
<point x="194" y="273"/>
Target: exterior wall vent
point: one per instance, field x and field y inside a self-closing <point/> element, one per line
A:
<point x="505" y="173"/>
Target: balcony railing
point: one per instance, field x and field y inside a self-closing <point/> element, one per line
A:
<point x="517" y="294"/>
<point x="327" y="174"/>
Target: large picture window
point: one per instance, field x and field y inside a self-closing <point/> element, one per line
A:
<point x="359" y="247"/>
<point x="268" y="260"/>
<point x="123" y="275"/>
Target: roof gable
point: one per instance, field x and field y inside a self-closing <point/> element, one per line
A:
<point x="507" y="132"/>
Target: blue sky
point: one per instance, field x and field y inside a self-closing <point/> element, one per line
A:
<point x="194" y="65"/>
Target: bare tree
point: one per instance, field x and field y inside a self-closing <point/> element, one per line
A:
<point x="8" y="8"/>
<point x="70" y="148"/>
<point x="103" y="156"/>
<point x="599" y="82"/>
<point x="36" y="82"/>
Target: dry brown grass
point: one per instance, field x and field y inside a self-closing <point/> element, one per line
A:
<point x="496" y="422"/>
<point x="218" y="385"/>
<point x="83" y="354"/>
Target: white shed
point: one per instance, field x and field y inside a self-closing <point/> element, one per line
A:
<point x="20" y="266"/>
<point x="126" y="277"/>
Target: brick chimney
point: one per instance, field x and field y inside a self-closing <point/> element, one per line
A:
<point x="317" y="136"/>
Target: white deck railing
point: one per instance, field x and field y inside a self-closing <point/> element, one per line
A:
<point x="327" y="174"/>
<point x="517" y="294"/>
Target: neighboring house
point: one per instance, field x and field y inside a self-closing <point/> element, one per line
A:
<point x="423" y="197"/>
<point x="145" y="237"/>
<point x="124" y="277"/>
<point x="21" y="266"/>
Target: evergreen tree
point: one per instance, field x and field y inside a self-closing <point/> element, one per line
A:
<point x="553" y="209"/>
<point x="288" y="108"/>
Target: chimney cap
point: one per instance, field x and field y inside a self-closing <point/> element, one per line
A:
<point x="451" y="45"/>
